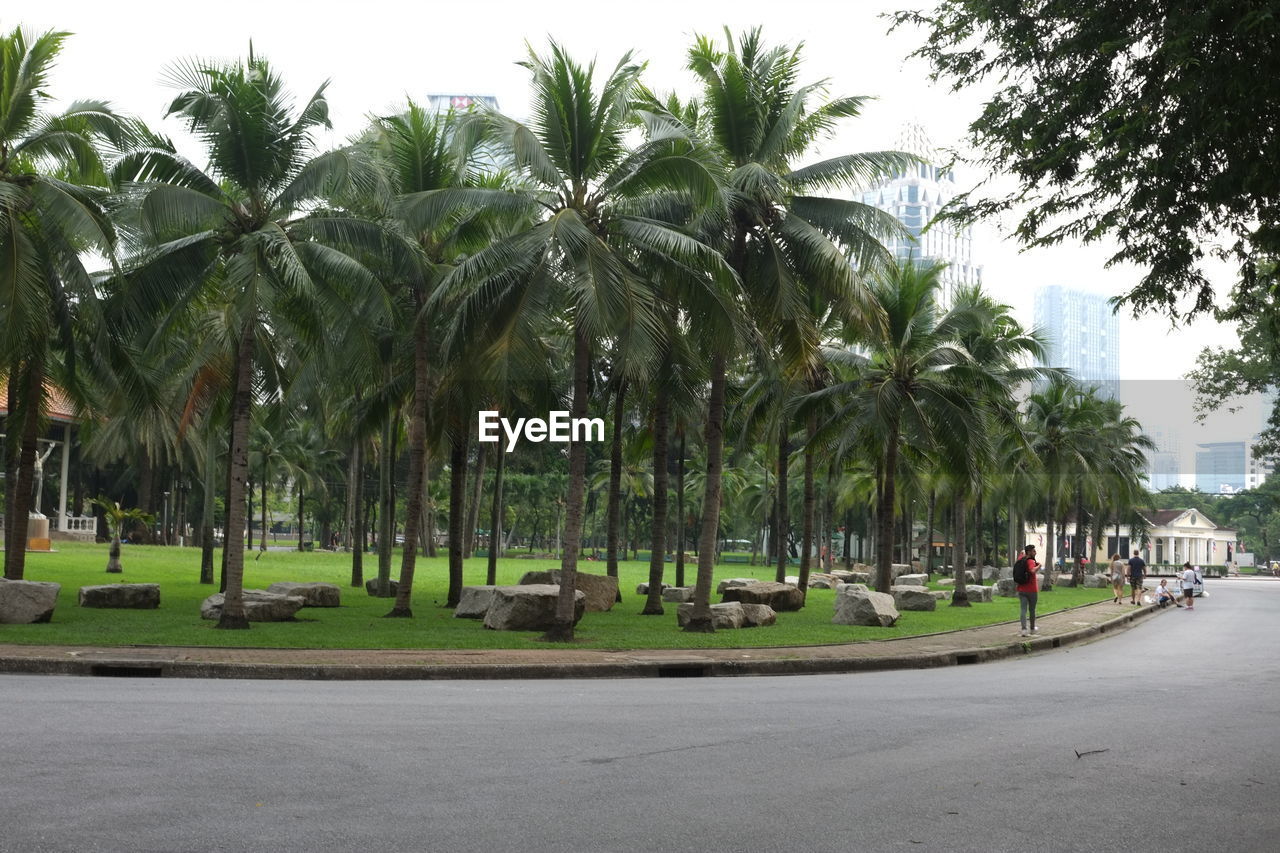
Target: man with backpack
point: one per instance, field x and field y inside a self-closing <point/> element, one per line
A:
<point x="1026" y="574"/>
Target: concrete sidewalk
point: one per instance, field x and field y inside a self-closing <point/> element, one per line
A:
<point x="971" y="645"/>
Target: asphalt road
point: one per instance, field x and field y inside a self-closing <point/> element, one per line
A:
<point x="1160" y="738"/>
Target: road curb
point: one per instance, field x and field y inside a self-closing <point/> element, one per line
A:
<point x="682" y="664"/>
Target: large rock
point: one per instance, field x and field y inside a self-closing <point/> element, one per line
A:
<point x="25" y="602"/>
<point x="1065" y="579"/>
<point x="852" y="587"/>
<point x="125" y="596"/>
<point x="865" y="608"/>
<point x="980" y="593"/>
<point x="730" y="583"/>
<point x="1006" y="587"/>
<point x="601" y="591"/>
<point x="940" y="594"/>
<point x="474" y="602"/>
<point x="911" y="597"/>
<point x="991" y="573"/>
<point x="757" y="615"/>
<point x="678" y="594"/>
<point x="723" y="616"/>
<point x="643" y="588"/>
<point x="371" y="586"/>
<point x="859" y="577"/>
<point x="912" y="580"/>
<point x="259" y="606"/>
<point x="792" y="580"/>
<point x="1097" y="581"/>
<point x="822" y="580"/>
<point x="779" y="596"/>
<point x="315" y="594"/>
<point x="528" y="607"/>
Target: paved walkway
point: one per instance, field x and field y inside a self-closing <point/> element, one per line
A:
<point x="971" y="645"/>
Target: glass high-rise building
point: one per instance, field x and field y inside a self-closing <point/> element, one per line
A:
<point x="914" y="198"/>
<point x="1220" y="467"/>
<point x="1083" y="335"/>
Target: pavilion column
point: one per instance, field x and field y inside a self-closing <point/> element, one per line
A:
<point x="62" y="477"/>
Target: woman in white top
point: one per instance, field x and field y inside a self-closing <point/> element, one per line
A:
<point x="1117" y="577"/>
<point x="1189" y="585"/>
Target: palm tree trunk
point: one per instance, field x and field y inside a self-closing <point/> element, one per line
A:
<point x="233" y="615"/>
<point x="301" y="513"/>
<point x="928" y="532"/>
<point x="1046" y="571"/>
<point x="613" y="512"/>
<point x="884" y="512"/>
<point x="417" y="467"/>
<point x="782" y="522"/>
<point x="263" y="546"/>
<point x="386" y="507"/>
<point x="206" y="519"/>
<point x="473" y="505"/>
<point x="113" y="556"/>
<point x="495" y="518"/>
<point x="700" y="619"/>
<point x="16" y="549"/>
<point x="561" y="630"/>
<point x="457" y="507"/>
<point x="960" y="597"/>
<point x="809" y="507"/>
<point x="658" y="532"/>
<point x="680" y="527"/>
<point x="1077" y="545"/>
<point x="355" y="533"/>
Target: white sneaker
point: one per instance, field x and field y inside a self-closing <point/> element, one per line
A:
<point x="1035" y="630"/>
<point x="1024" y="633"/>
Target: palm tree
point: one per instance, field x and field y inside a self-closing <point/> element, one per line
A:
<point x="603" y="234"/>
<point x="117" y="516"/>
<point x="246" y="236"/>
<point x="904" y="390"/>
<point x="790" y="249"/>
<point x="52" y="189"/>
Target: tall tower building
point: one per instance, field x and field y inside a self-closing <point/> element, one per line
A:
<point x="914" y="198"/>
<point x="1220" y="467"/>
<point x="1163" y="466"/>
<point x="1084" y="335"/>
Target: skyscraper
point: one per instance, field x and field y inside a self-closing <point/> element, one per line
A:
<point x="1084" y="335"/>
<point x="1163" y="466"/>
<point x="914" y="198"/>
<point x="1220" y="467"/>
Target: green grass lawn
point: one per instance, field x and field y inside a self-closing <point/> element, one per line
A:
<point x="359" y="623"/>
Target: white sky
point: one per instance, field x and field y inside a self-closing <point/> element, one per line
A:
<point x="377" y="53"/>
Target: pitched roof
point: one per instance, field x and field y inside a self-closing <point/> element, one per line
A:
<point x="57" y="406"/>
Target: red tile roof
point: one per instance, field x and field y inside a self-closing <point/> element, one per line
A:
<point x="59" y="409"/>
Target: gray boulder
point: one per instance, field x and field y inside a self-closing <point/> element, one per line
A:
<point x="259" y="606"/>
<point x="980" y="593"/>
<point x="757" y="615"/>
<point x="643" y="589"/>
<point x="678" y="594"/>
<point x="1006" y="588"/>
<point x="865" y="608"/>
<point x="315" y="594"/>
<point x="371" y="586"/>
<point x="730" y="583"/>
<point x="125" y="596"/>
<point x="852" y="587"/>
<point x="779" y="596"/>
<point x="911" y="597"/>
<point x="601" y="591"/>
<point x="1097" y="581"/>
<point x="897" y="570"/>
<point x="528" y="607"/>
<point x="27" y="602"/>
<point x="723" y="616"/>
<point x="1065" y="579"/>
<point x="940" y="594"/>
<point x="823" y="580"/>
<point x="912" y="580"/>
<point x="474" y="602"/>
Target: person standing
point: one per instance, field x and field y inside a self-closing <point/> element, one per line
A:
<point x="1117" y="578"/>
<point x="1026" y="574"/>
<point x="1137" y="574"/>
<point x="1189" y="585"/>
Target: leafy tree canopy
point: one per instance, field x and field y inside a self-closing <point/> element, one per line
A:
<point x="1150" y="123"/>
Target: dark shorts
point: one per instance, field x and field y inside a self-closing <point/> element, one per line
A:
<point x="1188" y="593"/>
<point x="1135" y="582"/>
